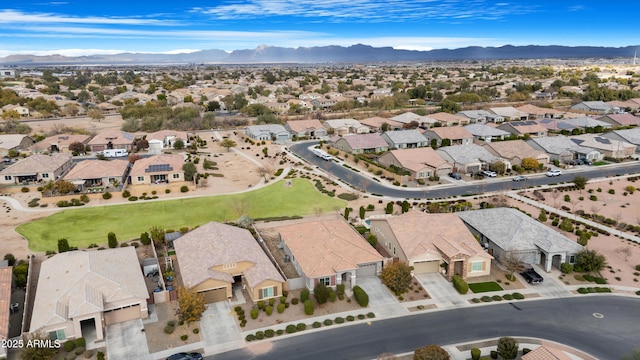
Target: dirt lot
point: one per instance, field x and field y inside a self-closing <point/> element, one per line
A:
<point x="158" y="340"/>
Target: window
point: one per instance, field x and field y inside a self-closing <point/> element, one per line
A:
<point x="477" y="266"/>
<point x="572" y="259"/>
<point x="45" y="176"/>
<point x="57" y="335"/>
<point x="7" y="177"/>
<point x="176" y="176"/>
<point x="140" y="178"/>
<point x="325" y="280"/>
<point x="229" y="266"/>
<point x="394" y="250"/>
<point x="268" y="292"/>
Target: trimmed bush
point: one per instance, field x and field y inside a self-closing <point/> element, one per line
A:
<point x="301" y="326"/>
<point x="361" y="296"/>
<point x="507" y="297"/>
<point x="196" y="331"/>
<point x="486" y="299"/>
<point x="350" y="318"/>
<point x="304" y="296"/>
<point x="332" y="296"/>
<point x="272" y="301"/>
<point x="184" y="189"/>
<point x="518" y="296"/>
<point x="294" y="301"/>
<point x="362" y="316"/>
<point x="316" y="324"/>
<point x="566" y="268"/>
<point x="254" y="313"/>
<point x="250" y="337"/>
<point x="169" y="329"/>
<point x="339" y="320"/>
<point x="81" y="342"/>
<point x="283" y="299"/>
<point x="461" y="286"/>
<point x="107" y="195"/>
<point x="308" y="307"/>
<point x="340" y="287"/>
<point x="260" y="304"/>
<point x="259" y="335"/>
<point x="475" y="354"/>
<point x="290" y="329"/>
<point x="79" y="350"/>
<point x="371" y="315"/>
<point x="328" y="322"/>
<point x="184" y="337"/>
<point x="69" y="345"/>
<point x="269" y="333"/>
<point x="269" y="310"/>
<point x="280" y="308"/>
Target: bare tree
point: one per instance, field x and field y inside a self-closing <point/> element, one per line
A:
<point x="264" y="172"/>
<point x="555" y="194"/>
<point x="513" y="264"/>
<point x="574" y="203"/>
<point x="241" y="207"/>
<point x="625" y="252"/>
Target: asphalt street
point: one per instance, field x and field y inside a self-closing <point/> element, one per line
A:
<point x="569" y="321"/>
<point x="457" y="188"/>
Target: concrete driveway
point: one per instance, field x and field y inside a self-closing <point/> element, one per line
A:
<point x="440" y="290"/>
<point x="126" y="341"/>
<point x="219" y="330"/>
<point x="379" y="295"/>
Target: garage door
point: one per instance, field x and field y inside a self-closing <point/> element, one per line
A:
<point x="122" y="314"/>
<point x="366" y="270"/>
<point x="215" y="295"/>
<point x="423" y="267"/>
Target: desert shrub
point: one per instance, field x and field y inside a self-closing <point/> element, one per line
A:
<point x="517" y="296"/>
<point x="475" y="354"/>
<point x="321" y="293"/>
<point x="269" y="310"/>
<point x="340" y="287"/>
<point x="269" y="333"/>
<point x="196" y="331"/>
<point x="184" y="337"/>
<point x="184" y="189"/>
<point x="316" y="324"/>
<point x="507" y="297"/>
<point x="294" y="301"/>
<point x="100" y="355"/>
<point x="461" y="286"/>
<point x="339" y="320"/>
<point x="272" y="301"/>
<point x="486" y="298"/>
<point x="612" y="191"/>
<point x="301" y="326"/>
<point x="81" y="342"/>
<point x="169" y="329"/>
<point x="260" y="304"/>
<point x="371" y="315"/>
<point x="250" y="337"/>
<point x="566" y="268"/>
<point x="350" y="318"/>
<point x="280" y="308"/>
<point x="126" y="194"/>
<point x="361" y="296"/>
<point x="308" y="307"/>
<point x="290" y="329"/>
<point x="327" y="322"/>
<point x="254" y="313"/>
<point x="332" y="296"/>
<point x="24" y="189"/>
<point x="304" y="295"/>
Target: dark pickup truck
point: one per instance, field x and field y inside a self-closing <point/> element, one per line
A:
<point x="532" y="276"/>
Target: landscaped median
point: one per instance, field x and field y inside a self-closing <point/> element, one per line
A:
<point x="89" y="225"/>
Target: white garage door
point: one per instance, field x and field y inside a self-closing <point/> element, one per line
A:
<point x="366" y="270"/>
<point x="122" y="314"/>
<point x="423" y="267"/>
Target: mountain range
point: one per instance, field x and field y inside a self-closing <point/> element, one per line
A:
<point x="329" y="54"/>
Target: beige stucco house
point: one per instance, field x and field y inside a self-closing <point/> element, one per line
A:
<point x="433" y="243"/>
<point x="215" y="258"/>
<point x="37" y="168"/>
<point x="157" y="169"/>
<point x="80" y="292"/>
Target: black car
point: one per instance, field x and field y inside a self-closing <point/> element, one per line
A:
<point x="455" y="175"/>
<point x="186" y="356"/>
<point x="532" y="276"/>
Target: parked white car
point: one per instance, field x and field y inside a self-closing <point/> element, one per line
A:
<point x="554" y="172"/>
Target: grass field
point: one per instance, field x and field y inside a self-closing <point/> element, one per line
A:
<point x="485" y="287"/>
<point x="85" y="226"/>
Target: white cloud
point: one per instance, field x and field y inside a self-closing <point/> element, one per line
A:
<point x="18" y="17"/>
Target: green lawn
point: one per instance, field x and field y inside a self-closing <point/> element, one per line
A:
<point x="84" y="226"/>
<point x="485" y="287"/>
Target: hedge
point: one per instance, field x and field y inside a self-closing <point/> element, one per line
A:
<point x="361" y="296"/>
<point x="460" y="284"/>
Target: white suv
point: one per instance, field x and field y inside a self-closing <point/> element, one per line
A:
<point x="554" y="172"/>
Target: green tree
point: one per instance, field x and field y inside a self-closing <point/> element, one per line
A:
<point x="191" y="305"/>
<point x="434" y="143"/>
<point x="445" y="142"/>
<point x="77" y="147"/>
<point x="157" y="234"/>
<point x="227" y="143"/>
<point x="405" y="206"/>
<point x="20" y="271"/>
<point x="363" y="212"/>
<point x="507" y="348"/>
<point x="10" y="259"/>
<point x="321" y="292"/>
<point x="190" y="170"/>
<point x="397" y="277"/>
<point x="145" y="239"/>
<point x="498" y="166"/>
<point x="543" y="215"/>
<point x="95" y="114"/>
<point x="63" y="245"/>
<point x="112" y="240"/>
<point x="431" y="352"/>
<point x="65" y="187"/>
<point x="389" y="208"/>
<point x="590" y="261"/>
<point x="449" y="106"/>
<point x="178" y="144"/>
<point x="580" y="182"/>
<point x="38" y="352"/>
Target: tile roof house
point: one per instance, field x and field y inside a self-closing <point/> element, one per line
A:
<point x="59" y="143"/>
<point x="157" y="169"/>
<point x="97" y="173"/>
<point x="376" y="124"/>
<point x="433" y="243"/>
<point x="481" y="116"/>
<point x="21" y="110"/>
<point x="625" y="119"/>
<point x="168" y="137"/>
<point x="514" y="151"/>
<point x="268" y="132"/>
<point x="360" y="143"/>
<point x="112" y="139"/>
<point x="456" y="134"/>
<point x="545" y="352"/>
<point x="597" y="107"/>
<point x="446" y="119"/>
<point x="214" y="258"/>
<point x="420" y="163"/>
<point x="524" y="128"/>
<point x="409" y="117"/>
<point x="37" y="168"/>
<point x="405" y="139"/>
<point x="482" y="132"/>
<point x="329" y="251"/>
<point x="306" y="128"/>
<point x="508" y="232"/>
<point x="345" y="126"/>
<point x="606" y="146"/>
<point x="509" y="113"/>
<point x="631" y="136"/>
<point x="564" y="150"/>
<point x="535" y="112"/>
<point x="16" y="142"/>
<point x="88" y="289"/>
<point x="583" y="123"/>
<point x="6" y="276"/>
<point x="467" y="158"/>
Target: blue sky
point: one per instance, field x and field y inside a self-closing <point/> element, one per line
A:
<point x="82" y="27"/>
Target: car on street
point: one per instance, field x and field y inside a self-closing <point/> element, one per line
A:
<point x="186" y="356"/>
<point x="519" y="178"/>
<point x="554" y="172"/>
<point x="455" y="175"/>
<point x="532" y="276"/>
<point x="489" y="173"/>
